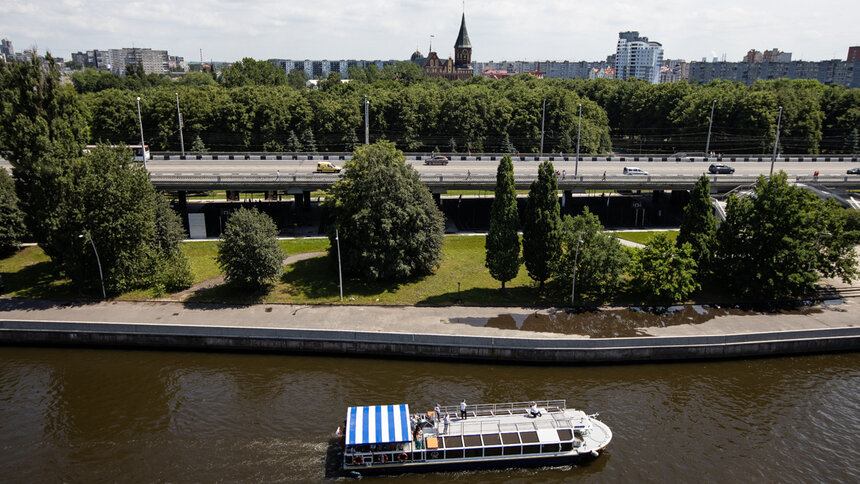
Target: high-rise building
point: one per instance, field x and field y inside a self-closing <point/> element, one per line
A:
<point x="638" y="57"/>
<point x="6" y="48"/>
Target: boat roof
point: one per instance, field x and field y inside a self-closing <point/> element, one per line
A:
<point x="377" y="424"/>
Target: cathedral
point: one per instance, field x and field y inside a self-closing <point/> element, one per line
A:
<point x="459" y="67"/>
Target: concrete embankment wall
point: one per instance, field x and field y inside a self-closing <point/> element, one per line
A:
<point x="426" y="346"/>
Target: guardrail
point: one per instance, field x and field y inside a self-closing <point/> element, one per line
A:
<point x="437" y="183"/>
<point x="343" y="156"/>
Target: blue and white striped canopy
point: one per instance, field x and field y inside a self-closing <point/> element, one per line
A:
<point x="378" y="424"/>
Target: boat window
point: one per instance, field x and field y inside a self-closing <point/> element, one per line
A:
<point x="513" y="450"/>
<point x="550" y="448"/>
<point x="529" y="437"/>
<point x="472" y="441"/>
<point x="531" y="449"/>
<point x="510" y="438"/>
<point x="565" y="434"/>
<point x="454" y="454"/>
<point x="452" y="442"/>
<point x="492" y="439"/>
<point x="566" y="447"/>
<point x="474" y="452"/>
<point x="489" y="451"/>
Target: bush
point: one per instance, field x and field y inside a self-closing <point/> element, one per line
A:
<point x="249" y="253"/>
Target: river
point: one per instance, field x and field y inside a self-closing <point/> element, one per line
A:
<point x="81" y="415"/>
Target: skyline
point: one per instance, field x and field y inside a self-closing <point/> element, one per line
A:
<point x="499" y="30"/>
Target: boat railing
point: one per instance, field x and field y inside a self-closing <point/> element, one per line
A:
<point x="493" y="409"/>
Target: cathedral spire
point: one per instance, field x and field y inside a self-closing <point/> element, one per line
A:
<point x="463" y="36"/>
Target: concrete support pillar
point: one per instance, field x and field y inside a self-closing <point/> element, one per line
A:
<point x="298" y="201"/>
<point x="182" y="201"/>
<point x="437" y="197"/>
<point x="567" y="194"/>
<point x="306" y="195"/>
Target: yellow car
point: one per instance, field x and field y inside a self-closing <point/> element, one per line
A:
<point x="327" y="167"/>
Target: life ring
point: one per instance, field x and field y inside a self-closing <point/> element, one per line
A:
<point x="383" y="458"/>
<point x="402" y="457"/>
<point x="357" y="460"/>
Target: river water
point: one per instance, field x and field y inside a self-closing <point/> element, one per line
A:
<point x="79" y="415"/>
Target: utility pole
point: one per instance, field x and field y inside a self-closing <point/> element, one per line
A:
<point x="339" y="273"/>
<point x="776" y="143"/>
<point x="710" y="123"/>
<point x="578" y="133"/>
<point x="366" y="121"/>
<point x="98" y="261"/>
<point x="140" y="121"/>
<point x="179" y="117"/>
<point x="575" y="260"/>
<point x="542" y="120"/>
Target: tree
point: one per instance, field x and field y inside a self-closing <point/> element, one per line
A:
<point x="777" y="243"/>
<point x="293" y="143"/>
<point x="250" y="72"/>
<point x="174" y="272"/>
<point x="599" y="258"/>
<point x="852" y="143"/>
<point x="248" y="253"/>
<point x="297" y="79"/>
<point x="665" y="272"/>
<point x="452" y="145"/>
<point x="351" y="141"/>
<point x="699" y="226"/>
<point x="503" y="240"/>
<point x="507" y="146"/>
<point x="42" y="130"/>
<point x="388" y="222"/>
<point x="114" y="202"/>
<point x="11" y="217"/>
<point x="309" y="143"/>
<point x="197" y="145"/>
<point x="541" y="229"/>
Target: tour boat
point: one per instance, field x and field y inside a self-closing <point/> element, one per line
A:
<point x="386" y="438"/>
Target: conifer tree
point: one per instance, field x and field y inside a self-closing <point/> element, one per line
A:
<point x="197" y="146"/>
<point x="503" y="241"/>
<point x="542" y="225"/>
<point x="310" y="143"/>
<point x="507" y="146"/>
<point x="699" y="227"/>
<point x="293" y="143"/>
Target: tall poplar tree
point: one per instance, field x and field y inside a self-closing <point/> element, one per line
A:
<point x="542" y="226"/>
<point x="699" y="227"/>
<point x="503" y="241"/>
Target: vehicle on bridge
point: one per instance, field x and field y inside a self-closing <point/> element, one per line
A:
<point x="720" y="168"/>
<point x="436" y="160"/>
<point x="140" y="153"/>
<point x="854" y="171"/>
<point x="632" y="170"/>
<point x="327" y="167"/>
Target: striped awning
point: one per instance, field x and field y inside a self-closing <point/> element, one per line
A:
<point x="377" y="424"/>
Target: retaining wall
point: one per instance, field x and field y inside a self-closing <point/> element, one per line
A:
<point x="427" y="346"/>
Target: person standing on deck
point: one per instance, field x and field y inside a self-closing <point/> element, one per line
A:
<point x="463" y="409"/>
<point x="438" y="411"/>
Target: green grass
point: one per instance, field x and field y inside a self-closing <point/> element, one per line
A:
<point x="29" y="273"/>
<point x="644" y="237"/>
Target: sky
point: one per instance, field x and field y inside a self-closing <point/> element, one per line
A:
<point x="228" y="30"/>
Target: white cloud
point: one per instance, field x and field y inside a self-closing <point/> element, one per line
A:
<point x="387" y="29"/>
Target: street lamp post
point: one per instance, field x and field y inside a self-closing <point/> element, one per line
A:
<point x="542" y="121"/>
<point x="366" y="121"/>
<point x="98" y="261"/>
<point x="575" y="261"/>
<point x="776" y="143"/>
<point x="339" y="273"/>
<point x="710" y="123"/>
<point x="578" y="133"/>
<point x="179" y="117"/>
<point x="140" y="122"/>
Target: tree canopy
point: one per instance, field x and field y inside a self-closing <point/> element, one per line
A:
<point x="386" y="218"/>
<point x="664" y="271"/>
<point x="503" y="240"/>
<point x="248" y="252"/>
<point x="11" y="218"/>
<point x="699" y="226"/>
<point x="542" y="225"/>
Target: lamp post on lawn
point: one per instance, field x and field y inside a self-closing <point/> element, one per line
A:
<point x="98" y="261"/>
<point x="542" y="121"/>
<point x="710" y="123"/>
<point x="578" y="133"/>
<point x="366" y="121"/>
<point x="339" y="273"/>
<point x="575" y="261"/>
<point x="179" y="117"/>
<point x="140" y="122"/>
<point x="776" y="143"/>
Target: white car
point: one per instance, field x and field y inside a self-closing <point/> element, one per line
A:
<point x="632" y="170"/>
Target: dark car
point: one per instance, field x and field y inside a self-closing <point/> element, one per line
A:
<point x="436" y="160"/>
<point x="854" y="171"/>
<point x="720" y="168"/>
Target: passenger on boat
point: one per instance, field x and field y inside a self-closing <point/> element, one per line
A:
<point x="438" y="413"/>
<point x="447" y="423"/>
<point x="534" y="411"/>
<point x="463" y="409"/>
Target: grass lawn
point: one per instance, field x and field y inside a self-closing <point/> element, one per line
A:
<point x="644" y="237"/>
<point x="29" y="273"/>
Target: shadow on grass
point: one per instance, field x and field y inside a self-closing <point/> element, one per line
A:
<point x="228" y="293"/>
<point x="302" y="279"/>
<point x="39" y="281"/>
<point x="483" y="296"/>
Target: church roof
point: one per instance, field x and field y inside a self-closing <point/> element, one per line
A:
<point x="463" y="36"/>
